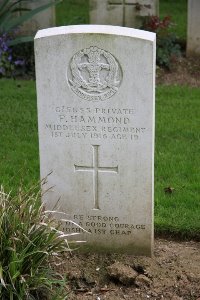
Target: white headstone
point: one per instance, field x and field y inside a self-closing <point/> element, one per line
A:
<point x="95" y="90"/>
<point x="127" y="13"/>
<point x="193" y="32"/>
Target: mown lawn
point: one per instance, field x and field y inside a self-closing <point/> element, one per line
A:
<point x="71" y="12"/>
<point x="176" y="160"/>
<point x="19" y="162"/>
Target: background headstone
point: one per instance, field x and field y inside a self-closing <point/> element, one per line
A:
<point x="127" y="13"/>
<point x="193" y="32"/>
<point x="42" y="20"/>
<point x="95" y="89"/>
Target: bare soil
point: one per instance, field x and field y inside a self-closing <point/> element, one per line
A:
<point x="172" y="273"/>
<point x="184" y="71"/>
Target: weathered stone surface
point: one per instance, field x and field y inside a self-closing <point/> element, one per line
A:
<point x="127" y="13"/>
<point x="123" y="273"/>
<point x="193" y="32"/>
<point x="95" y="89"/>
<point x="43" y="19"/>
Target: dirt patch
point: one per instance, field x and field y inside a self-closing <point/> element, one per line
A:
<point x="173" y="273"/>
<point x="184" y="71"/>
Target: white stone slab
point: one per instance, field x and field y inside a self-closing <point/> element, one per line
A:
<point x="95" y="90"/>
<point x="129" y="13"/>
<point x="193" y="30"/>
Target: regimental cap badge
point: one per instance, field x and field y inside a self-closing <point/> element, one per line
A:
<point x="94" y="74"/>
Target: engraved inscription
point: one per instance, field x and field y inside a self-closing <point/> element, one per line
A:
<point x="96" y="169"/>
<point x="96" y="123"/>
<point x="102" y="225"/>
<point x="94" y="74"/>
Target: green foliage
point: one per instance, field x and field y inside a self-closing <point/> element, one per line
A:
<point x="167" y="50"/>
<point x="11" y="64"/>
<point x="8" y="63"/>
<point x="167" y="47"/>
<point x="25" y="53"/>
<point x="30" y="239"/>
<point x="178" y="12"/>
<point x="9" y="21"/>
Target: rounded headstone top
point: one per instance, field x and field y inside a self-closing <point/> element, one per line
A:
<point x="101" y="29"/>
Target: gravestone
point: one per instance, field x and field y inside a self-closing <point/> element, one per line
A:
<point x="95" y="90"/>
<point x="129" y="13"/>
<point x="193" y="29"/>
<point x="43" y="19"/>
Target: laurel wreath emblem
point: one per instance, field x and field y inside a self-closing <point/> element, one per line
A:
<point x="94" y="74"/>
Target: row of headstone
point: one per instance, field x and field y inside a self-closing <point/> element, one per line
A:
<point x="129" y="13"/>
<point x="96" y="90"/>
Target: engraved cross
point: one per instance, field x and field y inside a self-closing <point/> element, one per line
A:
<point x="95" y="169"/>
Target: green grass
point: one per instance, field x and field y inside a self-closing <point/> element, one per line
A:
<point x="176" y="160"/>
<point x="72" y="12"/>
<point x="18" y="132"/>
<point x="178" y="12"/>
